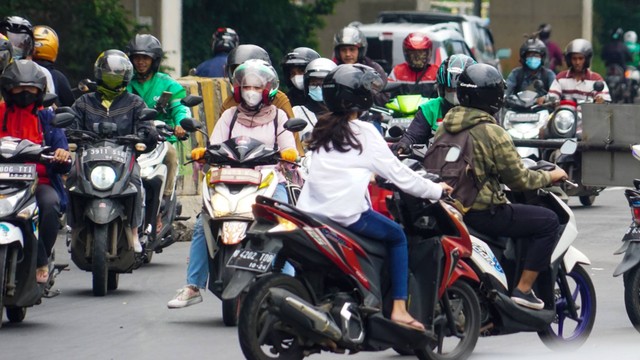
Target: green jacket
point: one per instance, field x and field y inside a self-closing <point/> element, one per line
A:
<point x="495" y="157"/>
<point x="432" y="111"/>
<point x="150" y="92"/>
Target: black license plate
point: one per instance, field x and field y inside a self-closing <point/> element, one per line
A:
<point x="17" y="171"/>
<point x="251" y="260"/>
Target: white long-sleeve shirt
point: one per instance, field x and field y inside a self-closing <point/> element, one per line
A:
<point x="337" y="183"/>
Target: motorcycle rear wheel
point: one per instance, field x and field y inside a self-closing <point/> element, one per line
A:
<point x="99" y="262"/>
<point x="587" y="200"/>
<point x="16" y="314"/>
<point x="259" y="332"/>
<point x="632" y="295"/>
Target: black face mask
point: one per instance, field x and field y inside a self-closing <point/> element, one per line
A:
<point x="23" y="99"/>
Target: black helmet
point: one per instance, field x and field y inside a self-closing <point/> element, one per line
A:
<point x="533" y="45"/>
<point x="298" y="57"/>
<point x="350" y="36"/>
<point x="20" y="33"/>
<point x="22" y="73"/>
<point x="481" y="86"/>
<point x="243" y="53"/>
<point x="544" y="31"/>
<point x="579" y="46"/>
<point x="351" y="87"/>
<point x="145" y="44"/>
<point x="450" y="70"/>
<point x="224" y="40"/>
<point x="6" y="52"/>
<point x="113" y="69"/>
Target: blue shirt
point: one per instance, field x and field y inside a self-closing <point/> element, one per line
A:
<point x="213" y="67"/>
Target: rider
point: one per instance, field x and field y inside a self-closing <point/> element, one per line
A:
<point x="223" y="41"/>
<point x="631" y="40"/>
<point x="578" y="80"/>
<point x="554" y="61"/>
<point x="22" y="85"/>
<point x="481" y="95"/>
<point x="145" y="52"/>
<point x="431" y="113"/>
<point x="532" y="55"/>
<point x="293" y="66"/>
<point x="313" y="106"/>
<point x="45" y="54"/>
<point x="346" y="153"/>
<point x="616" y="53"/>
<point x="416" y="72"/>
<point x="255" y="84"/>
<point x="112" y="103"/>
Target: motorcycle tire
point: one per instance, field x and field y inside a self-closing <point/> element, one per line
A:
<point x="231" y="307"/>
<point x="3" y="274"/>
<point x="278" y="344"/>
<point x="632" y="295"/>
<point x="465" y="308"/>
<point x="113" y="280"/>
<point x="587" y="200"/>
<point x="16" y="314"/>
<point x="99" y="262"/>
<point x="584" y="296"/>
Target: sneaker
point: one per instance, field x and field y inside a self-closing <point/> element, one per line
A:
<point x="186" y="296"/>
<point x="528" y="300"/>
<point x="137" y="246"/>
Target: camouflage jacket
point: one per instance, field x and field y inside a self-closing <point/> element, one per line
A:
<point x="495" y="157"/>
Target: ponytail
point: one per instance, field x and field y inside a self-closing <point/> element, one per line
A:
<point x="333" y="131"/>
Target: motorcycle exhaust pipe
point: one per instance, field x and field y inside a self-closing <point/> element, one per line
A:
<point x="295" y="309"/>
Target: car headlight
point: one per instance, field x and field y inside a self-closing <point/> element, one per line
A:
<point x="8" y="204"/>
<point x="103" y="177"/>
<point x="563" y="121"/>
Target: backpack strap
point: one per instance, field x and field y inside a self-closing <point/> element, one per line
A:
<point x="233" y="123"/>
<point x="275" y="128"/>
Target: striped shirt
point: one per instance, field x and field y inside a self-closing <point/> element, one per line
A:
<point x="566" y="86"/>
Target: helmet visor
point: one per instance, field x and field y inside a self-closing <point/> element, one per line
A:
<point x="22" y="45"/>
<point x="417" y="59"/>
<point x="5" y="58"/>
<point x="372" y="81"/>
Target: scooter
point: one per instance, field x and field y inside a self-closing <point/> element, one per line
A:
<point x="229" y="189"/>
<point x="19" y="229"/>
<point x="629" y="267"/>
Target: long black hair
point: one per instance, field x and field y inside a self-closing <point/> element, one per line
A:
<point x="333" y="131"/>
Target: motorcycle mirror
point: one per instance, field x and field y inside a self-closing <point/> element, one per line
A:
<point x="49" y="99"/>
<point x="635" y="151"/>
<point x="295" y="125"/>
<point x="148" y="114"/>
<point x="159" y="124"/>
<point x="190" y="125"/>
<point x="453" y="154"/>
<point x="569" y="147"/>
<point x="538" y="85"/>
<point x="395" y="131"/>
<point x="64" y="110"/>
<point x="63" y="120"/>
<point x="86" y="85"/>
<point x="191" y="100"/>
<point x="598" y="86"/>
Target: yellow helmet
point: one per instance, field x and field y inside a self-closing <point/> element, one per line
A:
<point x="46" y="43"/>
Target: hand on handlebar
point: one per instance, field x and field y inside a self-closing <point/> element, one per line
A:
<point x="558" y="174"/>
<point x="446" y="189"/>
<point x="61" y="156"/>
<point x="400" y="148"/>
<point x="598" y="99"/>
<point x="290" y="155"/>
<point x="198" y="153"/>
<point x="179" y="132"/>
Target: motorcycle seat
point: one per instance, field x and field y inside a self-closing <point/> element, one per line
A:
<point x="499" y="241"/>
<point x="371" y="246"/>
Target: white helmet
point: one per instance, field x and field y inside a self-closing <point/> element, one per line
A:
<point x="630" y="37"/>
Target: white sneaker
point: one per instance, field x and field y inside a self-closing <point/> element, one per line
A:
<point x="137" y="247"/>
<point x="186" y="296"/>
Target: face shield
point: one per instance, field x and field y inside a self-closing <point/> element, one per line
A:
<point x="22" y="45"/>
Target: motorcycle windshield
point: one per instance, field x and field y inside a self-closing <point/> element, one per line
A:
<point x="408" y="104"/>
<point x="244" y="149"/>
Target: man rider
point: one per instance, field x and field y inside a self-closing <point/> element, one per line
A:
<point x="554" y="61"/>
<point x="293" y="66"/>
<point x="631" y="41"/>
<point x="616" y="53"/>
<point x="223" y="41"/>
<point x="481" y="95"/>
<point x="532" y="55"/>
<point x="45" y="54"/>
<point x="417" y="74"/>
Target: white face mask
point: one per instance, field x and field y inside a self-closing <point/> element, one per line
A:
<point x="251" y="97"/>
<point x="298" y="81"/>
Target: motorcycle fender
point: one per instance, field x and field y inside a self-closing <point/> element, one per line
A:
<point x="10" y="233"/>
<point x="630" y="260"/>
<point x="103" y="211"/>
<point x="574" y="256"/>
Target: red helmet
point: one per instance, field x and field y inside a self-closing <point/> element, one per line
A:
<point x="417" y="50"/>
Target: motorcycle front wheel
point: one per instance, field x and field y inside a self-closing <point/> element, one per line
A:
<point x="632" y="295"/>
<point x="262" y="335"/>
<point x="3" y="280"/>
<point x="568" y="331"/>
<point x="99" y="261"/>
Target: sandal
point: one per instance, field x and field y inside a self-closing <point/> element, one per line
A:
<point x="42" y="274"/>
<point x="413" y="325"/>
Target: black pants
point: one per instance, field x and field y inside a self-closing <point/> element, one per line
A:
<point x="49" y="208"/>
<point x="536" y="224"/>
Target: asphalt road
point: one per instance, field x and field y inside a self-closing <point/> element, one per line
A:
<point x="134" y="323"/>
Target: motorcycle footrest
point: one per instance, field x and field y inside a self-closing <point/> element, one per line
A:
<point x="182" y="218"/>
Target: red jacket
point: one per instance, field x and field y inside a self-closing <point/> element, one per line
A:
<point x="403" y="73"/>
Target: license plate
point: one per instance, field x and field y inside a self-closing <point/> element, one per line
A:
<point x="105" y="154"/>
<point x="523" y="117"/>
<point x="633" y="233"/>
<point x="251" y="260"/>
<point x="235" y="176"/>
<point x="17" y="171"/>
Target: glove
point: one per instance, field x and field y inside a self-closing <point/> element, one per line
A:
<point x="198" y="153"/>
<point x="290" y="154"/>
<point x="400" y="148"/>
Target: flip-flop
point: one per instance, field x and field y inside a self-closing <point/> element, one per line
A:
<point x="42" y="275"/>
<point x="413" y="325"/>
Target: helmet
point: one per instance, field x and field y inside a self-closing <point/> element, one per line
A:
<point x="533" y="45"/>
<point x="630" y="37"/>
<point x="113" y="69"/>
<point x="544" y="31"/>
<point x="318" y="68"/>
<point x="481" y="86"/>
<point x="351" y="87"/>
<point x="616" y="34"/>
<point x="224" y="40"/>
<point x="579" y="46"/>
<point x="351" y="36"/>
<point x="22" y="73"/>
<point x="298" y="57"/>
<point x="6" y="52"/>
<point x="255" y="70"/>
<point x="450" y="70"/>
<point x="145" y="44"/>
<point x="243" y="53"/>
<point x="416" y="48"/>
<point x="20" y="33"/>
<point x="45" y="43"/>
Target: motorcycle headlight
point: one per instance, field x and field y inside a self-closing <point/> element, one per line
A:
<point x="103" y="177"/>
<point x="8" y="204"/>
<point x="563" y="121"/>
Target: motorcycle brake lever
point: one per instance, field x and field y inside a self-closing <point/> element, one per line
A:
<point x="570" y="183"/>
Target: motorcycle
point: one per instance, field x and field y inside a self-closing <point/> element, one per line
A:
<point x="629" y="267"/>
<point x="102" y="200"/>
<point x="403" y="109"/>
<point x="623" y="83"/>
<point x="565" y="287"/>
<point x="565" y="123"/>
<point x="19" y="229"/>
<point x="153" y="173"/>
<point x="230" y="187"/>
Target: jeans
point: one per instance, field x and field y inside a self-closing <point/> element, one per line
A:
<point x="376" y="226"/>
<point x="198" y="267"/>
<point x="49" y="208"/>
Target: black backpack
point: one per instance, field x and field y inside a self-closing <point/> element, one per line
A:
<point x="459" y="173"/>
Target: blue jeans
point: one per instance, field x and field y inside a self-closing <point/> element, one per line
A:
<point x="198" y="267"/>
<point x="376" y="226"/>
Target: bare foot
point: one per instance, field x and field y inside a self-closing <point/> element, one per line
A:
<point x="408" y="321"/>
<point x="42" y="274"/>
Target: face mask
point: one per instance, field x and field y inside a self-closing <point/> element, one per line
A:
<point x="252" y="98"/>
<point x="533" y="63"/>
<point x="298" y="81"/>
<point x="315" y="93"/>
<point x="24" y="99"/>
<point x="451" y="98"/>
